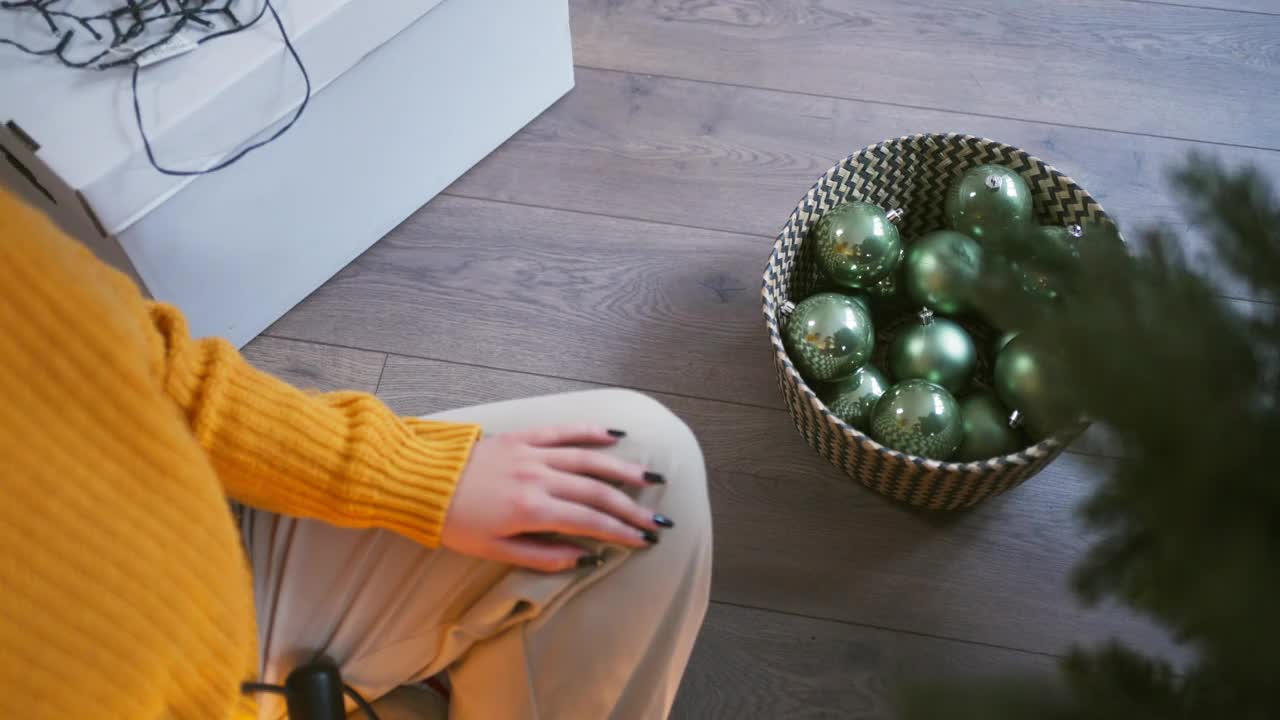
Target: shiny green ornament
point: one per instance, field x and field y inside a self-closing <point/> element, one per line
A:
<point x="889" y="286"/>
<point x="919" y="418"/>
<point x="853" y="398"/>
<point x="937" y="350"/>
<point x="1022" y="382"/>
<point x="942" y="270"/>
<point x="1055" y="243"/>
<point x="1004" y="340"/>
<point x="1036" y="283"/>
<point x="988" y="200"/>
<point x="987" y="430"/>
<point x="857" y="243"/>
<point x="828" y="336"/>
<point x="1051" y="244"/>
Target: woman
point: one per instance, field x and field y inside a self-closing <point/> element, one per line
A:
<point x="515" y="545"/>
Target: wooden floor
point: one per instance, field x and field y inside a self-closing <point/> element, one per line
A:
<point x="620" y="240"/>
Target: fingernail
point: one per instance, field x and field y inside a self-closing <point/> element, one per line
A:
<point x="663" y="521"/>
<point x="590" y="561"/>
<point x="618" y="433"/>
<point x="654" y="478"/>
<point x="650" y="537"/>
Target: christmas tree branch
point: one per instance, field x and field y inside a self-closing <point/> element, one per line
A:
<point x="1189" y="521"/>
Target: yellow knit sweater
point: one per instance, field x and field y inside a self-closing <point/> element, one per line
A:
<point x="124" y="591"/>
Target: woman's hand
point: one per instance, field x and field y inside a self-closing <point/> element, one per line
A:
<point x="520" y="487"/>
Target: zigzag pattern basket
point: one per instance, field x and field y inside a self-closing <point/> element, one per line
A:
<point x="911" y="173"/>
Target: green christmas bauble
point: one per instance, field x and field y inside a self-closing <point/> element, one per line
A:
<point x="857" y="244"/>
<point x="1004" y="340"/>
<point x="937" y="350"/>
<point x="828" y="336"/>
<point x="1055" y="243"/>
<point x="890" y="286"/>
<point x="860" y="298"/>
<point x="853" y="398"/>
<point x="919" y="418"/>
<point x="1036" y="283"/>
<point x="988" y="200"/>
<point x="1022" y="382"/>
<point x="1050" y="246"/>
<point x="941" y="271"/>
<point x="987" y="431"/>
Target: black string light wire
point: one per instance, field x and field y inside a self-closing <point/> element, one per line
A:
<point x="356" y="697"/>
<point x="126" y="32"/>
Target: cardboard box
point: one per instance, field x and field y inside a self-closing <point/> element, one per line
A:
<point x="407" y="95"/>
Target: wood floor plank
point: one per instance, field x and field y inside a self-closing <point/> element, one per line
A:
<point x="756" y="665"/>
<point x="739" y="159"/>
<point x="1265" y="7"/>
<point x="316" y="367"/>
<point x="793" y="534"/>
<point x="581" y="296"/>
<point x="1137" y="67"/>
<point x="606" y="300"/>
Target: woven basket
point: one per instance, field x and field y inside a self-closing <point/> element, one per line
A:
<point x="911" y="173"/>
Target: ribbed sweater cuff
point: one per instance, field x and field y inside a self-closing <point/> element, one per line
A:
<point x="412" y="491"/>
<point x="344" y="458"/>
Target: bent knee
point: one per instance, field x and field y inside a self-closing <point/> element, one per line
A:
<point x="669" y="447"/>
<point x="648" y="420"/>
<point x="675" y="452"/>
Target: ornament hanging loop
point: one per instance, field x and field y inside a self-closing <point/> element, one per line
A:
<point x="895" y="215"/>
<point x="993" y="182"/>
<point x="926" y="316"/>
<point x="1015" y="420"/>
<point x="1075" y="230"/>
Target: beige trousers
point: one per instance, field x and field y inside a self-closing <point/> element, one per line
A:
<point x="609" y="642"/>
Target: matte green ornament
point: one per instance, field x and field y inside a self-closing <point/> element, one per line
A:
<point x="853" y="398"/>
<point x="988" y="200"/>
<point x="937" y="350"/>
<point x="919" y="418"/>
<point x="828" y="336"/>
<point x="988" y="432"/>
<point x="857" y="243"/>
<point x="941" y="271"/>
<point x="1023" y="384"/>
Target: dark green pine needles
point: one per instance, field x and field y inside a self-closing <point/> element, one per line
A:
<point x="1187" y="526"/>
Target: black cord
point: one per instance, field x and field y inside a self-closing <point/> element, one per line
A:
<point x="131" y="21"/>
<point x="140" y="17"/>
<point x="236" y="26"/>
<point x="360" y="701"/>
<point x="351" y="692"/>
<point x="137" y="109"/>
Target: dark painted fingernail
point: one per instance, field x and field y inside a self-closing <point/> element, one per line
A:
<point x="663" y="521"/>
<point x="650" y="537"/>
<point x="654" y="478"/>
<point x="618" y="433"/>
<point x="590" y="561"/>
